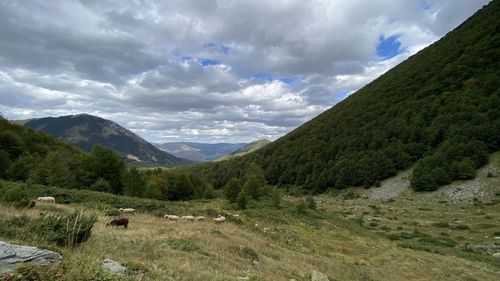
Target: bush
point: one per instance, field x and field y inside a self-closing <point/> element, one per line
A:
<point x="311" y="203"/>
<point x="242" y="200"/>
<point x="18" y="197"/>
<point x="276" y="198"/>
<point x="300" y="206"/>
<point x="63" y="230"/>
<point x="350" y="195"/>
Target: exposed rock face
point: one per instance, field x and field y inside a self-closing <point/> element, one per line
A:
<point x="11" y="255"/>
<point x="318" y="276"/>
<point x="113" y="266"/>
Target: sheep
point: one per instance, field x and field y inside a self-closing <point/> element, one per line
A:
<point x="172" y="217"/>
<point x="47" y="199"/>
<point x="200" y="218"/>
<point x="266" y="229"/>
<point x="118" y="222"/>
<point x="188" y="218"/>
<point x="219" y="219"/>
<point x="127" y="210"/>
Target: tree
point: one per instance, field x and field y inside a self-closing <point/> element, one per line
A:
<point x="101" y="185"/>
<point x="232" y="189"/>
<point x="4" y="164"/>
<point x="134" y="182"/>
<point x="440" y="176"/>
<point x="11" y="143"/>
<point x="182" y="189"/>
<point x="242" y="200"/>
<point x="104" y="163"/>
<point x="209" y="192"/>
<point x="22" y="167"/>
<point x="252" y="186"/>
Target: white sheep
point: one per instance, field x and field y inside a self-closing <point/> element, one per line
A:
<point x="47" y="199"/>
<point x="127" y="210"/>
<point x="200" y="218"/>
<point x="219" y="219"/>
<point x="188" y="218"/>
<point x="172" y="217"/>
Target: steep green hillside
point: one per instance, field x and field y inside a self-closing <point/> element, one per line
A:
<point x="85" y="131"/>
<point x="439" y="110"/>
<point x="251" y="147"/>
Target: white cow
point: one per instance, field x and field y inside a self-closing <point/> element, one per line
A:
<point x="200" y="218"/>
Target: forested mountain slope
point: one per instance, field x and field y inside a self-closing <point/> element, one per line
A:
<point x="85" y="131"/>
<point x="439" y="109"/>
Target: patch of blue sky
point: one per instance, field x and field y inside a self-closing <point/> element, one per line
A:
<point x="388" y="47"/>
<point x="288" y="79"/>
<point x="263" y="76"/>
<point x="207" y="62"/>
<point x="223" y="48"/>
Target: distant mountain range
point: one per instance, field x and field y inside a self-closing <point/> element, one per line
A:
<point x="85" y="131"/>
<point x="200" y="152"/>
<point x="251" y="147"/>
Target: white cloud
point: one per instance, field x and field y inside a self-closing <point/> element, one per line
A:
<point x="183" y="70"/>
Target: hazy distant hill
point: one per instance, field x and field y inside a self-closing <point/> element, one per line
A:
<point x="85" y="131"/>
<point x="200" y="152"/>
<point x="251" y="147"/>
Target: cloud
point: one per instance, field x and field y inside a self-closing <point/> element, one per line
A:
<point x="215" y="70"/>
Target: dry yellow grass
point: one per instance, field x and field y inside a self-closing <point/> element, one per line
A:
<point x="158" y="249"/>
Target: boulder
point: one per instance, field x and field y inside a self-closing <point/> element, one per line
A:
<point x="114" y="266"/>
<point x="318" y="276"/>
<point x="11" y="255"/>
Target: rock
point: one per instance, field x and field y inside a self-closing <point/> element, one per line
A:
<point x="256" y="264"/>
<point x="318" y="276"/>
<point x="496" y="255"/>
<point x="113" y="266"/>
<point x="11" y="255"/>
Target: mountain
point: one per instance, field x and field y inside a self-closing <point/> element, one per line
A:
<point x="438" y="111"/>
<point x="85" y="131"/>
<point x="251" y="147"/>
<point x="199" y="152"/>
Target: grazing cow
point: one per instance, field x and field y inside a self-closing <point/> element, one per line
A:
<point x="188" y="218"/>
<point x="200" y="218"/>
<point x="118" y="222"/>
<point x="219" y="219"/>
<point x="47" y="199"/>
<point x="172" y="217"/>
<point x="127" y="210"/>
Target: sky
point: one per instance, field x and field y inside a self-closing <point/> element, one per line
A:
<point x="208" y="70"/>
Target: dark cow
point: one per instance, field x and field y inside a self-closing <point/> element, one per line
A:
<point x="118" y="222"/>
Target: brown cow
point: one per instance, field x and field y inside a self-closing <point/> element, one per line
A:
<point x="118" y="222"/>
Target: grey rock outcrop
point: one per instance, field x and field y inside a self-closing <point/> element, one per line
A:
<point x="318" y="276"/>
<point x="113" y="266"/>
<point x="11" y="255"/>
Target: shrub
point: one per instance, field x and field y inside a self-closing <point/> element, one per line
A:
<point x="276" y="198"/>
<point x="350" y="195"/>
<point x="245" y="252"/>
<point x="242" y="200"/>
<point x="63" y="230"/>
<point x="18" y="196"/>
<point x="300" y="206"/>
<point x="311" y="203"/>
<point x="68" y="230"/>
